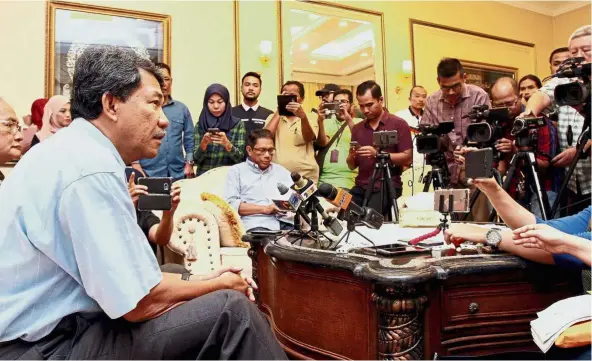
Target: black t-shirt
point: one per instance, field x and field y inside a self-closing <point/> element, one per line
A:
<point x="252" y="119"/>
<point x="146" y="219"/>
<point x="34" y="141"/>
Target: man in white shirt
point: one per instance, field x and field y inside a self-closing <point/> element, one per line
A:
<point x="412" y="115"/>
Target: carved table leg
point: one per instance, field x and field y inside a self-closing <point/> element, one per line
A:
<point x="252" y="253"/>
<point x="400" y="323"/>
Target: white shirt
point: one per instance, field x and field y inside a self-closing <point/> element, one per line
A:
<point x="413" y="121"/>
<point x="246" y="107"/>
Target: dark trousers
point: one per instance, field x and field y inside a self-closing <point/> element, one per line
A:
<point x="220" y="325"/>
<point x="358" y="194"/>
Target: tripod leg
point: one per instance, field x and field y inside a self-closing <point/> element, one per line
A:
<point x="541" y="196"/>
<point x="392" y="194"/>
<point x="511" y="171"/>
<point x="427" y="181"/>
<point x="370" y="188"/>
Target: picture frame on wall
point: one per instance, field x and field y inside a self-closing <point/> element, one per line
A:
<point x="72" y="28"/>
<point x="484" y="75"/>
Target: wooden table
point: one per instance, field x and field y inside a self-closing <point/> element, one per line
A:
<point x="325" y="305"/>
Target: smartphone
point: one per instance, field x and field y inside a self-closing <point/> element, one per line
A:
<point x="479" y="163"/>
<point x="213" y="130"/>
<point x="159" y="194"/>
<point x="354" y="145"/>
<point x="460" y="200"/>
<point x="265" y="233"/>
<point x="283" y="205"/>
<point x="282" y="101"/>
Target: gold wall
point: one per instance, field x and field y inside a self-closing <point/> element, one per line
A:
<point x="565" y="24"/>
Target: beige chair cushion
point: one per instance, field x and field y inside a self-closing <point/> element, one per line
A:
<point x="195" y="236"/>
<point x="211" y="181"/>
<point x="230" y="225"/>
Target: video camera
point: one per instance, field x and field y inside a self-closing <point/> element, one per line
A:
<point x="577" y="92"/>
<point x="524" y="129"/>
<point x="488" y="124"/>
<point x="428" y="142"/>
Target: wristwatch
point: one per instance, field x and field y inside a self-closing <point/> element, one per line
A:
<point x="190" y="162"/>
<point x="493" y="237"/>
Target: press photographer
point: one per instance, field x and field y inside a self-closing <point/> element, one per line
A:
<point x="510" y="136"/>
<point x="570" y="123"/>
<point x="363" y="153"/>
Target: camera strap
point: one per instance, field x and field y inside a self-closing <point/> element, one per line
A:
<point x="322" y="153"/>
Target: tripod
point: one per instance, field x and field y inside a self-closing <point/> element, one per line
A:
<point x="438" y="176"/>
<point x="582" y="140"/>
<point x="532" y="178"/>
<point x="351" y="227"/>
<point x="382" y="166"/>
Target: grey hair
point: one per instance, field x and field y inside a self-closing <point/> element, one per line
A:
<point x="106" y="69"/>
<point x="585" y="30"/>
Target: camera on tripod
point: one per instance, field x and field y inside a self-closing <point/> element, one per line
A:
<point x="577" y="92"/>
<point x="525" y="131"/>
<point x="488" y="124"/>
<point x="429" y="142"/>
<point x="385" y="138"/>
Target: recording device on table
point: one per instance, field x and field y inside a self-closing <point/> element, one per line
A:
<point x="159" y="194"/>
<point x="429" y="142"/>
<point x="576" y="93"/>
<point x="284" y="100"/>
<point x="350" y="212"/>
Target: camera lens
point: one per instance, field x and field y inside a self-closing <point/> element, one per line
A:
<point x="479" y="132"/>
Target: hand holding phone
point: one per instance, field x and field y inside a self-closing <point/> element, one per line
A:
<point x="159" y="194"/>
<point x="213" y="130"/>
<point x="479" y="163"/>
<point x="283" y="100"/>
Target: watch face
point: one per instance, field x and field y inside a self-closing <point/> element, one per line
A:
<point x="493" y="237"/>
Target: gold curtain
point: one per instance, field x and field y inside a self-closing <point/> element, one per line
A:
<point x="311" y="100"/>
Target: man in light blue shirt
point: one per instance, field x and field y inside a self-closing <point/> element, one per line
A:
<point x="170" y="161"/>
<point x="252" y="185"/>
<point x="77" y="278"/>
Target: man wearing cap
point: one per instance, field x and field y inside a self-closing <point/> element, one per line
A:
<point x="326" y="95"/>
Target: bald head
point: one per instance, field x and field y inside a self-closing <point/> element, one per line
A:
<point x="504" y="87"/>
<point x="10" y="135"/>
<point x="6" y="111"/>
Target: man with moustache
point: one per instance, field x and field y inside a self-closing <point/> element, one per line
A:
<point x="10" y="135"/>
<point x="170" y="160"/>
<point x="88" y="285"/>
<point x="250" y="112"/>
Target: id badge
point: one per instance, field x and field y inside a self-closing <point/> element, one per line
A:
<point x="334" y="156"/>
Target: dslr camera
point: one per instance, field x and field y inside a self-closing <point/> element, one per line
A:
<point x="577" y="92"/>
<point x="488" y="124"/>
<point x="330" y="108"/>
<point x="429" y="142"/>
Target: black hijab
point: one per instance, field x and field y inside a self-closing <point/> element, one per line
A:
<point x="206" y="120"/>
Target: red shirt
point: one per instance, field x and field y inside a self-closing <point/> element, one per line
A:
<point x="363" y="134"/>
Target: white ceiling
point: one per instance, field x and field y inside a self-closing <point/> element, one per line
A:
<point x="550" y="8"/>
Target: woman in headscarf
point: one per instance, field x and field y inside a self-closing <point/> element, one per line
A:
<point x="219" y="137"/>
<point x="56" y="115"/>
<point x="33" y="122"/>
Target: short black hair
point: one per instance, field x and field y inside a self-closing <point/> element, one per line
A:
<point x="558" y="50"/>
<point x="369" y="85"/>
<point x="105" y="69"/>
<point x="347" y="92"/>
<point x="254" y="75"/>
<point x="417" y="86"/>
<point x="164" y="66"/>
<point x="532" y="77"/>
<point x="258" y="134"/>
<point x="448" y="67"/>
<point x="298" y="84"/>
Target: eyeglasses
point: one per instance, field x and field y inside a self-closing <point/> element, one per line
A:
<point x="455" y="87"/>
<point x="507" y="104"/>
<point x="13" y="127"/>
<point x="343" y="101"/>
<point x="262" y="151"/>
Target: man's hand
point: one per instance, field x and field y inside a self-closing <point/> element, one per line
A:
<point x="505" y="145"/>
<point x="527" y="113"/>
<point x="205" y="141"/>
<point x="486" y="185"/>
<point x="236" y="281"/>
<point x="321" y="113"/>
<point x="463" y="232"/>
<point x="272" y="209"/>
<point x="135" y="189"/>
<point x="564" y="158"/>
<point x="296" y="108"/>
<point x="221" y="139"/>
<point x="460" y="152"/>
<point x="367" y="151"/>
<point x="540" y="236"/>
<point x="176" y="198"/>
<point x="188" y="171"/>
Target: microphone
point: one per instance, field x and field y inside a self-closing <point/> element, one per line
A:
<point x="295" y="203"/>
<point x="349" y="210"/>
<point x="305" y="188"/>
<point x="282" y="188"/>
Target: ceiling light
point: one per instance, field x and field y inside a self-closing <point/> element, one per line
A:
<point x="303" y="46"/>
<point x="313" y="62"/>
<point x="343" y="23"/>
<point x="364" y="54"/>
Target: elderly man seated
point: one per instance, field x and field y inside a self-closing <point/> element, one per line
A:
<point x="251" y="185"/>
<point x="10" y="135"/>
<point x="77" y="278"/>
